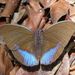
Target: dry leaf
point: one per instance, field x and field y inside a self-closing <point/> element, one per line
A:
<point x="47" y="3"/>
<point x="72" y="68"/>
<point x="14" y="70"/>
<point x="5" y="63"/>
<point x="55" y="68"/>
<point x="18" y="16"/>
<point x="3" y="1"/>
<point x="34" y="15"/>
<point x="10" y="7"/>
<point x="71" y="1"/>
<point x="56" y="10"/>
<point x="64" y="68"/>
<point x="72" y="73"/>
<point x="23" y="72"/>
<point x="72" y="13"/>
<point x="72" y="59"/>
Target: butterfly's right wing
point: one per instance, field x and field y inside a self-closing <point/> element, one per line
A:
<point x="16" y="34"/>
<point x="60" y="32"/>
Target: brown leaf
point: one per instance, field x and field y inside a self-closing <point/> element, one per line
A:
<point x="3" y="1"/>
<point x="10" y="8"/>
<point x="55" y="69"/>
<point x="72" y="73"/>
<point x="72" y="13"/>
<point x="72" y="67"/>
<point x="71" y="1"/>
<point x="23" y="72"/>
<point x="35" y="15"/>
<point x="72" y="59"/>
<point x="5" y="63"/>
<point x="18" y="16"/>
<point x="47" y="3"/>
<point x="64" y="68"/>
<point x="35" y="5"/>
<point x="14" y="70"/>
<point x="56" y="10"/>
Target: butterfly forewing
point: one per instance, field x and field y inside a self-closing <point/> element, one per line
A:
<point x="60" y="32"/>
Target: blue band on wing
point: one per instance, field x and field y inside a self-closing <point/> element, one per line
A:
<point x="29" y="59"/>
<point x="48" y="56"/>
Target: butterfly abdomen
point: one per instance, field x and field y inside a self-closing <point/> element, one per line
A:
<point x="38" y="42"/>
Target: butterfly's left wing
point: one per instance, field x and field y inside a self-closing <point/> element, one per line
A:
<point x="60" y="32"/>
<point x="17" y="34"/>
<point x="28" y="58"/>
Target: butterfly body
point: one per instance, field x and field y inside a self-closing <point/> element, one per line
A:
<point x="38" y="42"/>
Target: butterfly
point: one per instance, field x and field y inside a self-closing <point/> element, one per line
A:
<point x="40" y="47"/>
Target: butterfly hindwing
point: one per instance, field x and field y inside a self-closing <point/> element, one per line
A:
<point x="48" y="56"/>
<point x="28" y="58"/>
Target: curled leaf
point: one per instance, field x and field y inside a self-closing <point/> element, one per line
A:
<point x="5" y="62"/>
<point x="56" y="10"/>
